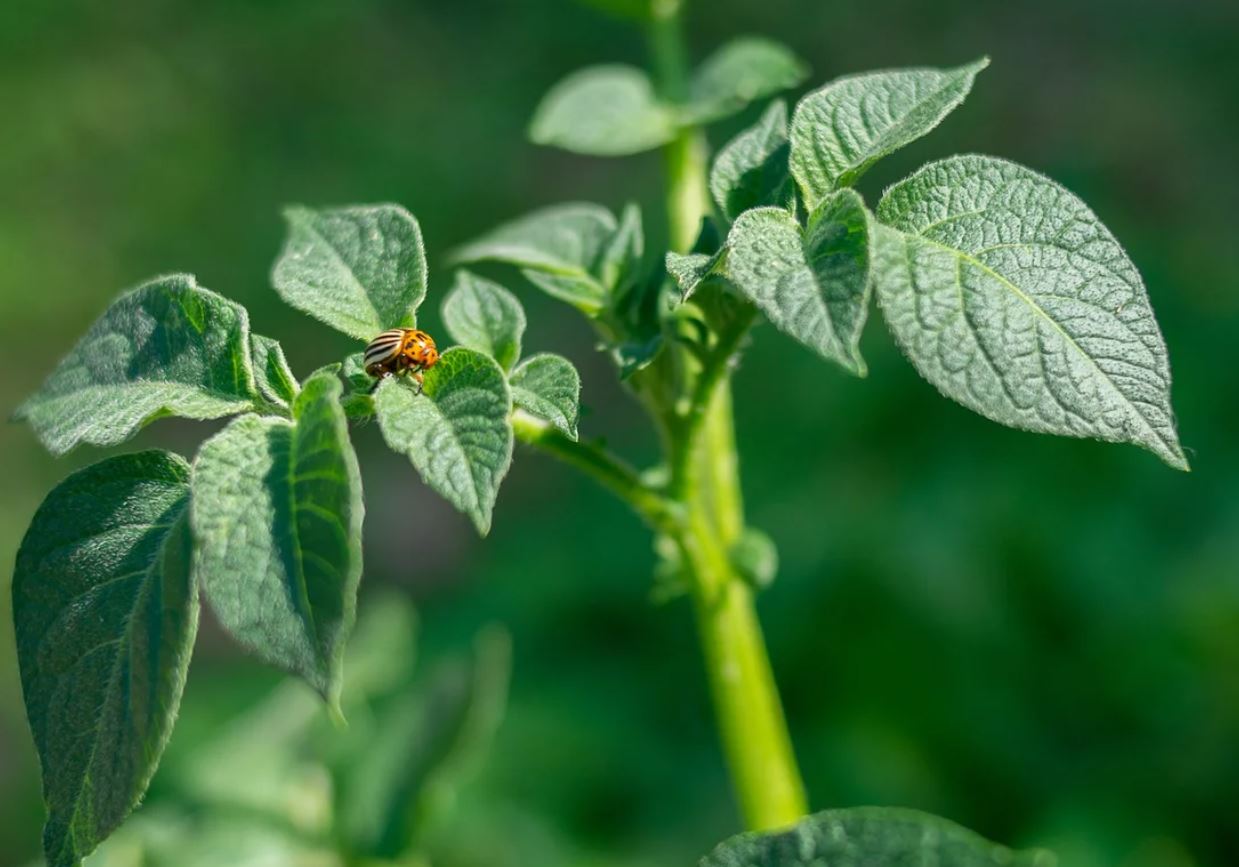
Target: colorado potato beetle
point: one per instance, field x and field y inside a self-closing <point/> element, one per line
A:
<point x="400" y="351"/>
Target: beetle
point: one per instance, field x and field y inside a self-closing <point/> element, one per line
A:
<point x="400" y="351"/>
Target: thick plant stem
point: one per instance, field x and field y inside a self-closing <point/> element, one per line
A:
<point x="705" y="482"/>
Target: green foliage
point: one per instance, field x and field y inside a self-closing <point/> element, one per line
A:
<point x="1001" y="287"/>
<point x="277" y="517"/>
<point x="482" y="315"/>
<point x="560" y="249"/>
<point x="870" y="837"/>
<point x="168" y="347"/>
<point x="751" y="169"/>
<point x="841" y="130"/>
<point x="615" y="110"/>
<point x="360" y="270"/>
<point x="812" y="284"/>
<point x="456" y="431"/>
<point x="106" y="613"/>
<point x="605" y="111"/>
<point x="548" y="387"/>
<point x="1011" y="297"/>
<point x="274" y="378"/>
<point x="741" y="72"/>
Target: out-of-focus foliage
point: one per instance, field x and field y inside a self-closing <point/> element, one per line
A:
<point x="1034" y="636"/>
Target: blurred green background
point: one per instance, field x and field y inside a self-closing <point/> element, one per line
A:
<point x="1036" y="637"/>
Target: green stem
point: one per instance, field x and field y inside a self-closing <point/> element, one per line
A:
<point x="612" y="473"/>
<point x="705" y="482"/>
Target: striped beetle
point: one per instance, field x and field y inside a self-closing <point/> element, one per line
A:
<point x="400" y="351"/>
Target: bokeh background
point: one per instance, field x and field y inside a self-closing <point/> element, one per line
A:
<point x="1036" y="637"/>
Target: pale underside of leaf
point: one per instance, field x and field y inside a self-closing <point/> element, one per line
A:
<point x="277" y="516"/>
<point x="168" y="347"/>
<point x="106" y="615"/>
<point x="607" y="110"/>
<point x="548" y="387"/>
<point x="457" y="432"/>
<point x="1011" y="297"/>
<point x="871" y="837"/>
<point x="359" y="269"/>
<point x="840" y="130"/>
<point x="812" y="285"/>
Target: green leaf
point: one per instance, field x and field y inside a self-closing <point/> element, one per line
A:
<point x="548" y="387"/>
<point x="359" y="269"/>
<point x="274" y="378"/>
<point x="457" y="432"/>
<point x="689" y="270"/>
<point x="870" y="837"/>
<point x="168" y="347"/>
<point x="277" y="517"/>
<point x="751" y="170"/>
<point x="842" y="129"/>
<point x="603" y="111"/>
<point x="560" y="249"/>
<point x="744" y="70"/>
<point x="106" y="612"/>
<point x="621" y="260"/>
<point x="482" y="315"/>
<point x="1011" y="297"/>
<point x="813" y="285"/>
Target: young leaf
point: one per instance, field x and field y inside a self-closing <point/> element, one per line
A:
<point x="621" y="260"/>
<point x="1011" y="297"/>
<point x="603" y="111"/>
<point x="359" y="269"/>
<point x="168" y="347"/>
<point x="742" y="71"/>
<point x="482" y="315"/>
<point x="870" y="837"/>
<point x="106" y="613"/>
<point x="842" y="129"/>
<point x="559" y="249"/>
<point x="751" y="170"/>
<point x="277" y="515"/>
<point x="549" y="387"/>
<point x="688" y="270"/>
<point x="813" y="285"/>
<point x="274" y="378"/>
<point x="457" y="432"/>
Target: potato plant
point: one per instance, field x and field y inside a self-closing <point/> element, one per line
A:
<point x="1002" y="288"/>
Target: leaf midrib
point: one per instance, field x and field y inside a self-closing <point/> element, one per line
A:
<point x="1038" y="310"/>
<point x="305" y="221"/>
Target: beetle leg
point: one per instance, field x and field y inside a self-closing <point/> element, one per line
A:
<point x="382" y="376"/>
<point x="419" y="379"/>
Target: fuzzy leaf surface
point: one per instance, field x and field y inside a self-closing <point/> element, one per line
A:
<point x="274" y="378"/>
<point x="609" y="110"/>
<point x="871" y="837"/>
<point x="743" y="71"/>
<point x="548" y="386"/>
<point x="845" y="127"/>
<point x="559" y="248"/>
<point x="359" y="269"/>
<point x="751" y="170"/>
<point x="457" y="432"/>
<point x="812" y="285"/>
<point x="168" y="347"/>
<point x="482" y="315"/>
<point x="1010" y="296"/>
<point x="277" y="516"/>
<point x="106" y="612"/>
